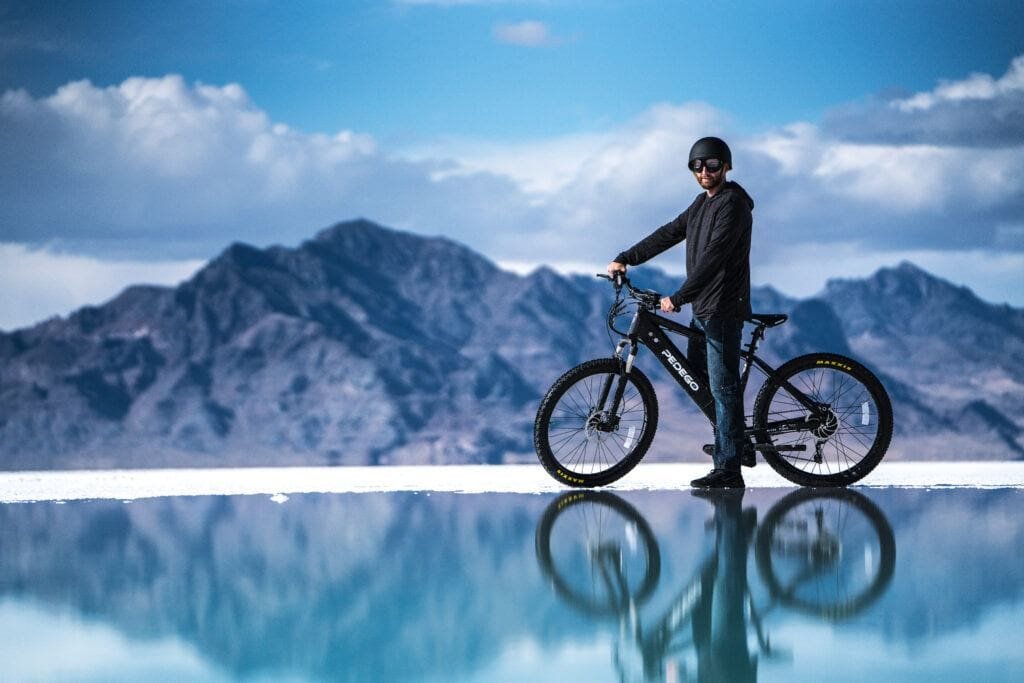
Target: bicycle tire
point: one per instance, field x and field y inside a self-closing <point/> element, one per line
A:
<point x="604" y="506"/>
<point x="576" y="453"/>
<point x="849" y="451"/>
<point x="772" y="537"/>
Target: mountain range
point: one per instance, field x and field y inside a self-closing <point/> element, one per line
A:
<point x="366" y="345"/>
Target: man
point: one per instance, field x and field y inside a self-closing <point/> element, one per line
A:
<point x="716" y="227"/>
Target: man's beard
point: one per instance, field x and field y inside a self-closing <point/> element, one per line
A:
<point x="713" y="181"/>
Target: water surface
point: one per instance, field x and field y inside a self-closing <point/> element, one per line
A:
<point x="775" y="584"/>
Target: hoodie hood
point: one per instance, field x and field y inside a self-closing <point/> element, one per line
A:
<point x="730" y="186"/>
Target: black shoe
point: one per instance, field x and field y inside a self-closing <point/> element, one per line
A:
<point x="720" y="479"/>
<point x="748" y="458"/>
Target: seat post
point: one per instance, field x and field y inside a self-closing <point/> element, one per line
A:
<point x="755" y="338"/>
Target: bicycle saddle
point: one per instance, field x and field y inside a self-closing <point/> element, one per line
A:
<point x="769" y="319"/>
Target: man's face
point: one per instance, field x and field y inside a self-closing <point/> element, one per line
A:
<point x="707" y="178"/>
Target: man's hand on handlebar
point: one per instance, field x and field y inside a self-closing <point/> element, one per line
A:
<point x="616" y="267"/>
<point x="667" y="306"/>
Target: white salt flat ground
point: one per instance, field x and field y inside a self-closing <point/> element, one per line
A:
<point x="20" y="487"/>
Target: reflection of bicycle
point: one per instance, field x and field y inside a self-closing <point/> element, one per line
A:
<point x="828" y="553"/>
<point x="806" y="557"/>
<point x="820" y="419"/>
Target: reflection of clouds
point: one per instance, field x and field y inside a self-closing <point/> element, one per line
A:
<point x="39" y="644"/>
<point x="979" y="653"/>
<point x="955" y="561"/>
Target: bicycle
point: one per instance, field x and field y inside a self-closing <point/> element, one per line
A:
<point x="829" y="554"/>
<point x="821" y="419"/>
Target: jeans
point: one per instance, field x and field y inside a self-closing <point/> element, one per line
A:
<point x="721" y="356"/>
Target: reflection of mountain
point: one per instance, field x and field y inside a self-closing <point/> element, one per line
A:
<point x="405" y="586"/>
<point x="369" y="587"/>
<point x="959" y="560"/>
<point x="366" y="345"/>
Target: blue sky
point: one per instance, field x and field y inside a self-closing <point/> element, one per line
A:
<point x="139" y="138"/>
<point x="424" y="68"/>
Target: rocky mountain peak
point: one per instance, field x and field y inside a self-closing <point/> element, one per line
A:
<point x="904" y="283"/>
<point x="366" y="345"/>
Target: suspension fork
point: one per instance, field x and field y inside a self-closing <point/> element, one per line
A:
<point x="620" y="386"/>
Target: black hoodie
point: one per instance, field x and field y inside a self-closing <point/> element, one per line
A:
<point x="717" y="234"/>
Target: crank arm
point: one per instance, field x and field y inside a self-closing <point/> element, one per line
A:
<point x="772" y="448"/>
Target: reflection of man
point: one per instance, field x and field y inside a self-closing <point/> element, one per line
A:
<point x="716" y="227"/>
<point x="719" y="620"/>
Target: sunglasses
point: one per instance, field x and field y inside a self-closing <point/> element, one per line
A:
<point x="712" y="165"/>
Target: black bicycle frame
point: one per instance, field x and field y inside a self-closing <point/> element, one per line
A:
<point x="649" y="329"/>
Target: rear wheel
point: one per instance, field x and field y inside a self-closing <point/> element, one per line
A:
<point x="828" y="553"/>
<point x="837" y="442"/>
<point x="579" y="439"/>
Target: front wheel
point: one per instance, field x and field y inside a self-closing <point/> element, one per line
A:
<point x="582" y="437"/>
<point x="598" y="551"/>
<point x="837" y="441"/>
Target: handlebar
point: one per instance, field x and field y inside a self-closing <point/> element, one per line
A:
<point x="647" y="298"/>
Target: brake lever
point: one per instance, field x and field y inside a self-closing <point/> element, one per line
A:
<point x="618" y="280"/>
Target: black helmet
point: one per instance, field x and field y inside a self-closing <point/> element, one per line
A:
<point x="711" y="148"/>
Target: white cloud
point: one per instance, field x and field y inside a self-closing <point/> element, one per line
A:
<point x="826" y="207"/>
<point x="525" y="34"/>
<point x="544" y="168"/>
<point x="38" y="283"/>
<point x="794" y="148"/>
<point x="879" y="173"/>
<point x="453" y="3"/>
<point x="157" y="169"/>
<point x="975" y="87"/>
<point x="160" y="162"/>
<point x="979" y="111"/>
<point x="539" y="167"/>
